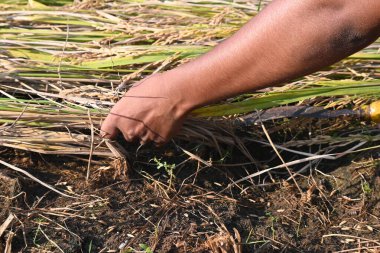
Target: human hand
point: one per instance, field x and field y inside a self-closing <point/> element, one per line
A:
<point x="152" y="110"/>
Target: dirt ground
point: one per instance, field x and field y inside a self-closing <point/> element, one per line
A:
<point x="157" y="207"/>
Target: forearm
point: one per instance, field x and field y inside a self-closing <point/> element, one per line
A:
<point x="290" y="38"/>
<point x="285" y="41"/>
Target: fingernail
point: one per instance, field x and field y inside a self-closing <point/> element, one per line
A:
<point x="103" y="134"/>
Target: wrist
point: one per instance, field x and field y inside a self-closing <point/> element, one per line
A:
<point x="180" y="91"/>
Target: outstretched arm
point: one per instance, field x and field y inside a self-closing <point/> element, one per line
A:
<point x="288" y="39"/>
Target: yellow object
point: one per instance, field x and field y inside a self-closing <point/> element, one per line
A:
<point x="372" y="111"/>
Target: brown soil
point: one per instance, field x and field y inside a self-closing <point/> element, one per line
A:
<point x="8" y="189"/>
<point x="338" y="209"/>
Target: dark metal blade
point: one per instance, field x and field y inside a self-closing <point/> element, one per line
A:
<point x="294" y="112"/>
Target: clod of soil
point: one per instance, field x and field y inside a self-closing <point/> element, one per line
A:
<point x="8" y="189"/>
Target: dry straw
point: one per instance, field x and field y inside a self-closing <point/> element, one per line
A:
<point x="64" y="66"/>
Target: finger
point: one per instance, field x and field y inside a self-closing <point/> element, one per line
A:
<point x="145" y="138"/>
<point x="159" y="143"/>
<point x="159" y="140"/>
<point x="143" y="141"/>
<point x="132" y="132"/>
<point x="109" y="129"/>
<point x="128" y="137"/>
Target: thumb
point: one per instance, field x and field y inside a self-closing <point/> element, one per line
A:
<point x="109" y="129"/>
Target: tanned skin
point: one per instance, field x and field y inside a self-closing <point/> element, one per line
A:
<point x="287" y="40"/>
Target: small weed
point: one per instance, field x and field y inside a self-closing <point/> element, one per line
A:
<point x="90" y="247"/>
<point x="36" y="235"/>
<point x="144" y="249"/>
<point x="167" y="167"/>
<point x="367" y="190"/>
<point x="273" y="219"/>
<point x="39" y="221"/>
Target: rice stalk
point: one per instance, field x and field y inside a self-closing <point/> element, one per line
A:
<point x="61" y="64"/>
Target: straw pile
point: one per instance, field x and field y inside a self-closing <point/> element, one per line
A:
<point x="63" y="67"/>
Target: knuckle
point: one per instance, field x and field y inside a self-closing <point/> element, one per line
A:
<point x="141" y="131"/>
<point x="128" y="137"/>
<point x="160" y="141"/>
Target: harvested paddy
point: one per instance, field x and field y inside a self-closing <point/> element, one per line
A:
<point x="283" y="185"/>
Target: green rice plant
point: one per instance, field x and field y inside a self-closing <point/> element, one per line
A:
<point x="344" y="88"/>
